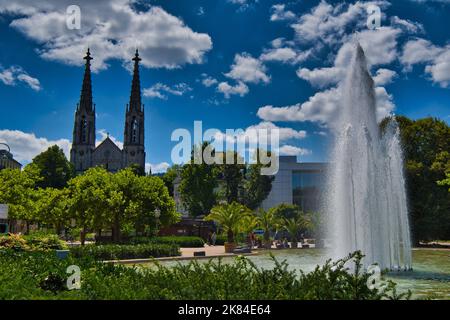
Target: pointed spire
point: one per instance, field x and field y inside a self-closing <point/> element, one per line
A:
<point x="135" y="97"/>
<point x="86" y="90"/>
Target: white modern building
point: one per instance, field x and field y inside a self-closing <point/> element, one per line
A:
<point x="297" y="183"/>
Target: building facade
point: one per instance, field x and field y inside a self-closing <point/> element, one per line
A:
<point x="7" y="160"/>
<point x="84" y="153"/>
<point x="296" y="183"/>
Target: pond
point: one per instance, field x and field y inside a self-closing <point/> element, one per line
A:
<point x="430" y="278"/>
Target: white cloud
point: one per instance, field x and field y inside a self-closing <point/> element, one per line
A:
<point x="322" y="108"/>
<point x="279" y="13"/>
<point x="288" y="150"/>
<point x="26" y="146"/>
<point x="329" y="24"/>
<point x="254" y="135"/>
<point x="322" y="77"/>
<point x="384" y="77"/>
<point x="248" y="69"/>
<point x="113" y="29"/>
<point x="102" y="134"/>
<point x="435" y="58"/>
<point x="407" y="25"/>
<point x="161" y="90"/>
<point x="157" y="167"/>
<point x="240" y="89"/>
<point x="285" y="55"/>
<point x="208" y="81"/>
<point x="14" y="74"/>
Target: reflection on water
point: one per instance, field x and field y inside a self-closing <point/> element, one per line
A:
<point x="430" y="278"/>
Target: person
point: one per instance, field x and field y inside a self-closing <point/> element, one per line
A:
<point x="213" y="238"/>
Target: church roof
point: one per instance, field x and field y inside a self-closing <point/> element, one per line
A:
<point x="108" y="144"/>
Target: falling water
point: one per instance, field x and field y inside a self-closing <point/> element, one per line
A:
<point x="367" y="199"/>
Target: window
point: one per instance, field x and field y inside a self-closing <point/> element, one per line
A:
<point x="84" y="128"/>
<point x="134" y="131"/>
<point x="307" y="187"/>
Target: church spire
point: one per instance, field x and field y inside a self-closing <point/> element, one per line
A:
<point x="135" y="97"/>
<point x="86" y="90"/>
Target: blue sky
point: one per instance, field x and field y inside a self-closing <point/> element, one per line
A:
<point x="229" y="63"/>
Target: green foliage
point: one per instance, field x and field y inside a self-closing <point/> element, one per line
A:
<point x="198" y="183"/>
<point x="99" y="199"/>
<point x="230" y="218"/>
<point x="286" y="211"/>
<point x="17" y="189"/>
<point x="38" y="276"/>
<point x="33" y="242"/>
<point x="446" y="182"/>
<point x="181" y="241"/>
<point x="54" y="168"/>
<point x="294" y="226"/>
<point x="426" y="144"/>
<point x="232" y="176"/>
<point x="269" y="222"/>
<point x="44" y="242"/>
<point x="170" y="176"/>
<point x="121" y="252"/>
<point x="256" y="187"/>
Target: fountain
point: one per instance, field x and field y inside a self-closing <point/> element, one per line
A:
<point x="366" y="198"/>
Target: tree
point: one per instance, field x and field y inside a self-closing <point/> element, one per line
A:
<point x="51" y="208"/>
<point x="54" y="168"/>
<point x="295" y="225"/>
<point x="269" y="222"/>
<point x="17" y="189"/>
<point x="198" y="184"/>
<point x="232" y="176"/>
<point x="170" y="176"/>
<point x="286" y="211"/>
<point x="153" y="195"/>
<point x="446" y="182"/>
<point x="426" y="145"/>
<point x="256" y="186"/>
<point x="230" y="218"/>
<point x="89" y="198"/>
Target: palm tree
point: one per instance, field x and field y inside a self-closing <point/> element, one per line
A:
<point x="295" y="225"/>
<point x="268" y="221"/>
<point x="230" y="217"/>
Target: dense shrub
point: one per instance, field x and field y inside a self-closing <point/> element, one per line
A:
<point x="45" y="242"/>
<point x="34" y="242"/>
<point x="14" y="242"/>
<point x="38" y="276"/>
<point x="120" y="252"/>
<point x="182" y="241"/>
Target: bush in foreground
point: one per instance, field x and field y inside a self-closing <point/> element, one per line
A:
<point x="40" y="275"/>
<point x="120" y="252"/>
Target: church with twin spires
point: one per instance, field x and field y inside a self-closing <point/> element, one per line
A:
<point x="85" y="154"/>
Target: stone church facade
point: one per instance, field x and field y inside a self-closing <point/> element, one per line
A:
<point x="85" y="154"/>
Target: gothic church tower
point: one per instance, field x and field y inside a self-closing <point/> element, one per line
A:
<point x="83" y="143"/>
<point x="133" y="147"/>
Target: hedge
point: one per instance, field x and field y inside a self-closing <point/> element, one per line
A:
<point x="182" y="241"/>
<point x="121" y="252"/>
